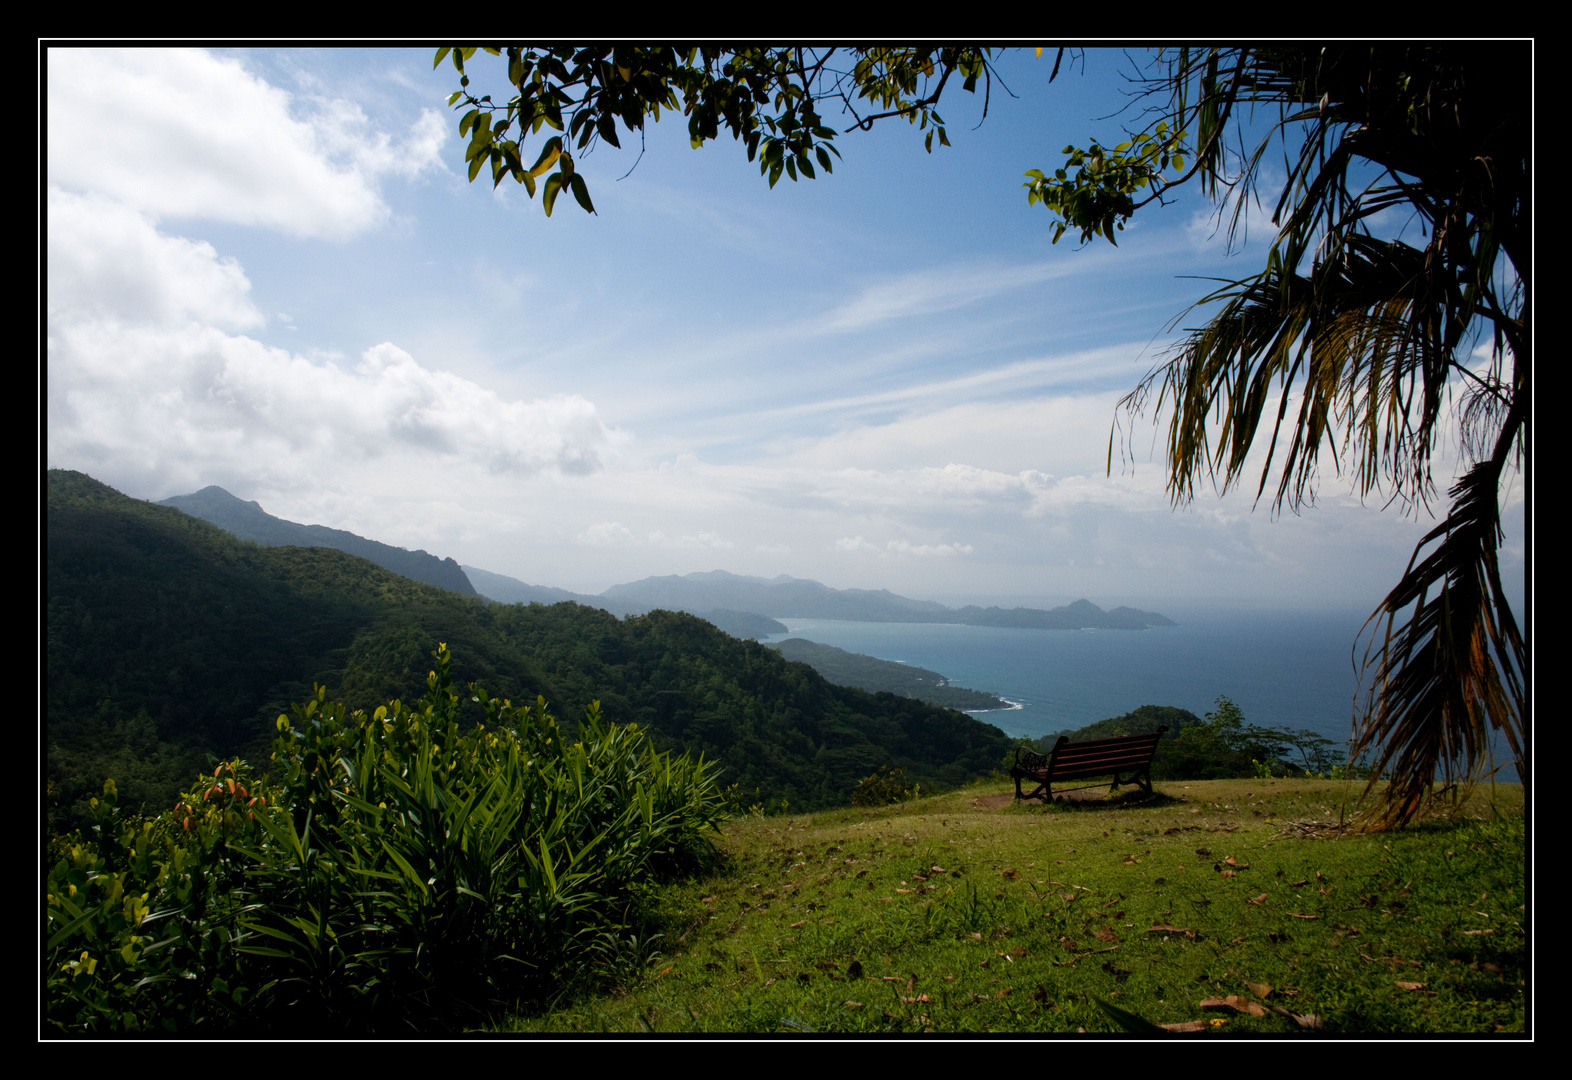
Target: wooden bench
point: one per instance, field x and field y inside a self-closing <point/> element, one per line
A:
<point x="1131" y="754"/>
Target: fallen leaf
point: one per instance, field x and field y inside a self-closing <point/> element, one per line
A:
<point x="1297" y="884"/>
<point x="923" y="1000"/>
<point x="1231" y="861"/>
<point x="1410" y="985"/>
<point x="1473" y="932"/>
<point x="1297" y="915"/>
<point x="1305" y="1020"/>
<point x="1105" y="935"/>
<point x="1260" y="990"/>
<point x="1230" y="873"/>
<point x="1234" y="1002"/>
<point x="853" y="1004"/>
<point x="1011" y="874"/>
<point x="1187" y="1026"/>
<point x="1259" y="899"/>
<point x="1164" y="928"/>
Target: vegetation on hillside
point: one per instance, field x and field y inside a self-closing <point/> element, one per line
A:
<point x="872" y="674"/>
<point x="402" y="870"/>
<point x="170" y="640"/>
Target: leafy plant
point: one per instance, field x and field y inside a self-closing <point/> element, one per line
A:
<point x="396" y="870"/>
<point x="882" y="787"/>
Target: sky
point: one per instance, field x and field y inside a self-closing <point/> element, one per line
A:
<point x="265" y="270"/>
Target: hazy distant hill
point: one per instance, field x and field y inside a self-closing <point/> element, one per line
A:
<point x="510" y="590"/>
<point x="249" y="521"/>
<point x="796" y="598"/>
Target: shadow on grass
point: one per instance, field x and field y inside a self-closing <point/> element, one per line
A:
<point x="1084" y="802"/>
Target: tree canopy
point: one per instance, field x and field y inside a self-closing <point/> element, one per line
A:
<point x="1403" y="251"/>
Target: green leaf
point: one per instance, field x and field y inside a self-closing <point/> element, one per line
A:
<point x="1129" y="1021"/>
<point x="548" y="198"/>
<point x="581" y="193"/>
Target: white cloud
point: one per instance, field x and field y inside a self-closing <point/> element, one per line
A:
<point x="926" y="292"/>
<point x="902" y="547"/>
<point x="182" y="133"/>
<point x="170" y="409"/>
<point x="106" y="261"/>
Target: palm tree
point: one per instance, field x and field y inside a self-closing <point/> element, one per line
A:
<point x="1360" y="344"/>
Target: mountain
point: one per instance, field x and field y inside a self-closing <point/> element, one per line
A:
<point x="510" y="590"/>
<point x="797" y="598"/>
<point x="249" y="521"/>
<point x="169" y="639"/>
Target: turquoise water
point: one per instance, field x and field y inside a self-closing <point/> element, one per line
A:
<point x="1293" y="669"/>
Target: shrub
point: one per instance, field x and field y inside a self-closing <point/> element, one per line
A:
<point x="395" y="871"/>
<point x="882" y="788"/>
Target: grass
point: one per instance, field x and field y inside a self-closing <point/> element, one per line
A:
<point x="1231" y="906"/>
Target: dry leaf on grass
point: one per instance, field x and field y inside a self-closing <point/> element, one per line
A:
<point x="1260" y="990"/>
<point x="1304" y="1020"/>
<point x="1234" y="1002"/>
<point x="1187" y="1026"/>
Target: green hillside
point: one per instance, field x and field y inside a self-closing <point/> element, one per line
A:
<point x="872" y="674"/>
<point x="169" y="639"/>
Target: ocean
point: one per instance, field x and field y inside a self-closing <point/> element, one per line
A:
<point x="1283" y="669"/>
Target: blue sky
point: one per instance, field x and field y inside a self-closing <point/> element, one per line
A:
<point x="266" y="271"/>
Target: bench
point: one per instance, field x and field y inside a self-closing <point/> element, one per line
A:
<point x="1130" y="754"/>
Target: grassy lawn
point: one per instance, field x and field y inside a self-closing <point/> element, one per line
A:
<point x="1228" y="906"/>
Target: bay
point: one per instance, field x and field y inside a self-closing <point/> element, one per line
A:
<point x="1294" y="669"/>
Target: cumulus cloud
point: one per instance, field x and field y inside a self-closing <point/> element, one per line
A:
<point x="182" y="133"/>
<point x="167" y="407"/>
<point x="106" y="261"/>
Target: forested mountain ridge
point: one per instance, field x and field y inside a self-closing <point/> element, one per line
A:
<point x="249" y="521"/>
<point x="872" y="674"/>
<point x="168" y="638"/>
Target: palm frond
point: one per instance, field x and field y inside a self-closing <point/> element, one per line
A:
<point x="1455" y="670"/>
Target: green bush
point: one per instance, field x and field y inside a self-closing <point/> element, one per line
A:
<point x="881" y="788"/>
<point x="395" y="871"/>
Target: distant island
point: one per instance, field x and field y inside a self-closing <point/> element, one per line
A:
<point x="743" y="606"/>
